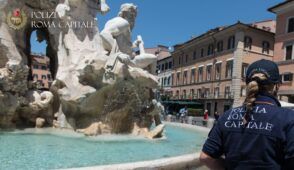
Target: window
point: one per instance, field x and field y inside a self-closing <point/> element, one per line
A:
<point x="247" y="42"/>
<point x="220" y="46"/>
<point x="200" y="74"/>
<point x="202" y="52"/>
<point x="287" y="77"/>
<point x="265" y="47"/>
<point x="216" y="92"/>
<point x="229" y="69"/>
<point x="227" y="92"/>
<point x="170" y="65"/>
<point x="192" y="93"/>
<point x="291" y="25"/>
<point x="244" y="69"/>
<point x="186" y="58"/>
<point x="207" y="93"/>
<point x="184" y="94"/>
<point x="179" y="60"/>
<point x="208" y="72"/>
<point x="194" y="55"/>
<point x="36" y="67"/>
<point x="35" y="76"/>
<point x="218" y="71"/>
<point x="164" y="81"/>
<point x="178" y="78"/>
<point x="177" y="93"/>
<point x="172" y="79"/>
<point x="192" y="76"/>
<point x="162" y="67"/>
<point x="289" y="52"/>
<point x="199" y="93"/>
<point x="215" y="107"/>
<point x="168" y="81"/>
<point x="43" y="67"/>
<point x="231" y="42"/>
<point x="185" y="77"/>
<point x="210" y="49"/>
<point x="44" y="77"/>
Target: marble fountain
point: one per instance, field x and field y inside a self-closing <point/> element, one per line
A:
<point x="101" y="107"/>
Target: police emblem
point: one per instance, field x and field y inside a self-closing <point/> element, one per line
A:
<point x="17" y="19"/>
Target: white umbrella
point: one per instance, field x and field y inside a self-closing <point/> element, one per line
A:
<point x="286" y="104"/>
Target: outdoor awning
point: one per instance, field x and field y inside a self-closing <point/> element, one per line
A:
<point x="286" y="92"/>
<point x="181" y="102"/>
<point x="286" y="104"/>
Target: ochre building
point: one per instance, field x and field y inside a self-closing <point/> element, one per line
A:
<point x="210" y="68"/>
<point x="284" y="47"/>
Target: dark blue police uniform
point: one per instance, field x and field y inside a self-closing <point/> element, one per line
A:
<point x="265" y="142"/>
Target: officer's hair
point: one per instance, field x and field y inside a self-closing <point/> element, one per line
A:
<point x="253" y="88"/>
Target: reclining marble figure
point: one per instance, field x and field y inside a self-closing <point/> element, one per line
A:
<point x="116" y="40"/>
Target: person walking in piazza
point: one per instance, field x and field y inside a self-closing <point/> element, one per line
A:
<point x="205" y="118"/>
<point x="257" y="135"/>
<point x="183" y="113"/>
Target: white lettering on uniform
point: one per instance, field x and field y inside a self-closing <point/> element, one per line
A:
<point x="227" y="124"/>
<point x="269" y="126"/>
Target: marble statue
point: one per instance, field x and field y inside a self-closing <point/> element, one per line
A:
<point x="116" y="37"/>
<point x="82" y="97"/>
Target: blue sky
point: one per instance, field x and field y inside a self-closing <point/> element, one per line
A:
<point x="169" y="22"/>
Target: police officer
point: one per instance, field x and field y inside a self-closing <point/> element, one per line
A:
<point x="257" y="135"/>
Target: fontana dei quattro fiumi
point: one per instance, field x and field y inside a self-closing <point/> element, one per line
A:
<point x="101" y="103"/>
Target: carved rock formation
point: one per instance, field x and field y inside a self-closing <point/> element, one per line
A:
<point x="79" y="97"/>
<point x="40" y="122"/>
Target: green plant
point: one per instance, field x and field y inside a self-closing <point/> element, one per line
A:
<point x="195" y="112"/>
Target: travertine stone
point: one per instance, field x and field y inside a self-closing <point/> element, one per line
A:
<point x="237" y="69"/>
<point x="40" y="122"/>
<point x="87" y="94"/>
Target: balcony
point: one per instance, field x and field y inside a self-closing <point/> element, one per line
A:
<point x="228" y="95"/>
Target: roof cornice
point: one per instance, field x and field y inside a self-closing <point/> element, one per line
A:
<point x="281" y="7"/>
<point x="205" y="36"/>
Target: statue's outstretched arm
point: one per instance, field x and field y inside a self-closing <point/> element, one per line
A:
<point x="104" y="7"/>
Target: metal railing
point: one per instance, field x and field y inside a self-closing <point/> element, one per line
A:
<point x="228" y="95"/>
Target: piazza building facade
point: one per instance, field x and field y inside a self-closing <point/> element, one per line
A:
<point x="210" y="69"/>
<point x="163" y="70"/>
<point x="40" y="70"/>
<point x="284" y="47"/>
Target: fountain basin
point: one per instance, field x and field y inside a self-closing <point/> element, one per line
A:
<point x="61" y="149"/>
